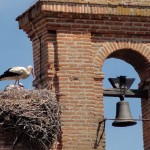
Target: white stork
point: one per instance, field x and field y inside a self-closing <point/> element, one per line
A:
<point x="17" y="73"/>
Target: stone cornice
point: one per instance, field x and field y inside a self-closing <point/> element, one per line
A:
<point x="107" y="2"/>
<point x="81" y="8"/>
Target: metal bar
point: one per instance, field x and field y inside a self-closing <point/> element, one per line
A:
<point x="114" y="92"/>
<point x="129" y="119"/>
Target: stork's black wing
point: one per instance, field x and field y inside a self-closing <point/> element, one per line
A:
<point x="8" y="73"/>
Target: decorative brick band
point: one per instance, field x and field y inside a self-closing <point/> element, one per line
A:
<point x="108" y="2"/>
<point x="83" y="8"/>
<point x="88" y="8"/>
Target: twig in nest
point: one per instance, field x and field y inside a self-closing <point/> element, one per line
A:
<point x="31" y="116"/>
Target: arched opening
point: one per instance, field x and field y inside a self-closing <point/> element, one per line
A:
<point x="121" y="137"/>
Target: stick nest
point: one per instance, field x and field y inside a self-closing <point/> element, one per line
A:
<point x="32" y="117"/>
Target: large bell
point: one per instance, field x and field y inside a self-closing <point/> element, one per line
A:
<point x="123" y="115"/>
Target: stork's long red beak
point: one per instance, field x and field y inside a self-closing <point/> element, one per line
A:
<point x="32" y="72"/>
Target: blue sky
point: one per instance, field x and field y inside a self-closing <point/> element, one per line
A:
<point x="15" y="47"/>
<point x="16" y="50"/>
<point x="122" y="138"/>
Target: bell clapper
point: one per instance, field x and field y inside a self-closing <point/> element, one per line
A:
<point x="122" y="97"/>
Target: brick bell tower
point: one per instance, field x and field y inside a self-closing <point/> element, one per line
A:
<point x="63" y="62"/>
<point x="71" y="40"/>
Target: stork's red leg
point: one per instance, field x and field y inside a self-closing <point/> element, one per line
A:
<point x="15" y="82"/>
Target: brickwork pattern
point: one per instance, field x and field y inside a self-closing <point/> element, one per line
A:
<point x="117" y="2"/>
<point x="84" y="8"/>
<point x="81" y="114"/>
<point x="76" y="39"/>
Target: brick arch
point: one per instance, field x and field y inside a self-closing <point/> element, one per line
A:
<point x="136" y="54"/>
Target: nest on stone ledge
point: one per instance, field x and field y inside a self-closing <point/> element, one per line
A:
<point x="31" y="117"/>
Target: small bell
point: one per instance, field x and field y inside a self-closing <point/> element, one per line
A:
<point x="123" y="115"/>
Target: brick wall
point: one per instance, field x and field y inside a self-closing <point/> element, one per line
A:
<point x="75" y="39"/>
<point x="117" y="2"/>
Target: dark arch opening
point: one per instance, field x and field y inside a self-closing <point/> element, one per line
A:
<point x="126" y="137"/>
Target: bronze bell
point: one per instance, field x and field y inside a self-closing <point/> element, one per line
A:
<point x="123" y="115"/>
